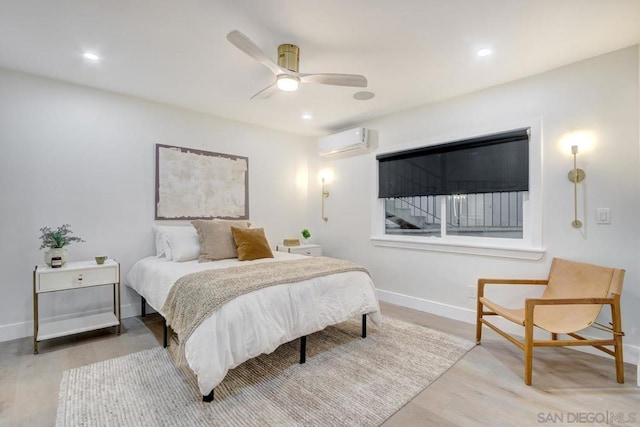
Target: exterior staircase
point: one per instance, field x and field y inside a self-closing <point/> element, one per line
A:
<point x="403" y="214"/>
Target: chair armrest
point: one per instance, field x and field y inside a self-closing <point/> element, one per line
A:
<point x="530" y="303"/>
<point x="482" y="282"/>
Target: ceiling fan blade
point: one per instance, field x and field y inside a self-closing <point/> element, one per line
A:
<point x="266" y="92"/>
<point x="353" y="80"/>
<point x="243" y="43"/>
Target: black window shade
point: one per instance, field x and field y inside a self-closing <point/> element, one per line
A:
<point x="486" y="164"/>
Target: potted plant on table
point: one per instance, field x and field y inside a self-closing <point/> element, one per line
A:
<point x="306" y="235"/>
<point x="55" y="241"/>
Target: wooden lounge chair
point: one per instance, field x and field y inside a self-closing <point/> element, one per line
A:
<point x="574" y="295"/>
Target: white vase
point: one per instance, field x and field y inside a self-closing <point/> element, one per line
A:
<point x="55" y="252"/>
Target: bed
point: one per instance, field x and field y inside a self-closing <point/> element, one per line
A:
<point x="259" y="321"/>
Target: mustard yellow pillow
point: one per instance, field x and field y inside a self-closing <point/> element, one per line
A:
<point x="251" y="243"/>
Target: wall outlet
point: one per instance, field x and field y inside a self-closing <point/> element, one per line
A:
<point x="471" y="291"/>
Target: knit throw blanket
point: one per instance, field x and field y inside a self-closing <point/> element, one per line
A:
<point x="196" y="296"/>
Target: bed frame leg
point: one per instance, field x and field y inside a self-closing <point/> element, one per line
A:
<point x="143" y="307"/>
<point x="364" y="326"/>
<point x="303" y="349"/>
<point x="164" y="333"/>
<point x="208" y="397"/>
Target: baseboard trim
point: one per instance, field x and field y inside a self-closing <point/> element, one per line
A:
<point x="631" y="354"/>
<point x="432" y="307"/>
<point x="14" y="331"/>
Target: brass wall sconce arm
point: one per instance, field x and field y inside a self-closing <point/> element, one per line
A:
<point x="575" y="175"/>
<point x="325" y="194"/>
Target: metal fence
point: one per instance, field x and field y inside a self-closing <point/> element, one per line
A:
<point x="485" y="214"/>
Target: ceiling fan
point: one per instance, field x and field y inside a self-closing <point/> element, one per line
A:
<point x="286" y="70"/>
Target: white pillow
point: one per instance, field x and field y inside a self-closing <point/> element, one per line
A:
<point x="183" y="244"/>
<point x="177" y="242"/>
<point x="157" y="231"/>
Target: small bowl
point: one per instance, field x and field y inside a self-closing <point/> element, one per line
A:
<point x="101" y="259"/>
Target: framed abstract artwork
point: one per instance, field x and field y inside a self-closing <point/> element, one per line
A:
<point x="196" y="184"/>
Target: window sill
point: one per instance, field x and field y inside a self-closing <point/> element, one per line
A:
<point x="430" y="244"/>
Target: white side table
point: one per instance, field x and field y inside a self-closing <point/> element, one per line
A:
<point x="75" y="275"/>
<point x="309" y="250"/>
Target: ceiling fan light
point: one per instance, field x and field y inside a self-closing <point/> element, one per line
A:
<point x="287" y="83"/>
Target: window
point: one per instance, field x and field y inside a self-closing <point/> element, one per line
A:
<point x="472" y="191"/>
<point x="496" y="215"/>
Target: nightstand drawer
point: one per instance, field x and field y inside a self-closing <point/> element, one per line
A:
<point x="315" y="251"/>
<point x="308" y="250"/>
<point x="76" y="278"/>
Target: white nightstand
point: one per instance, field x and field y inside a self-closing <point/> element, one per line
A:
<point x="75" y="275"/>
<point x="310" y="250"/>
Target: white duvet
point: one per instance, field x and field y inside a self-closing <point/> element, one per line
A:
<point x="257" y="322"/>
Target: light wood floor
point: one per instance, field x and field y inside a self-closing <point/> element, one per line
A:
<point x="484" y="388"/>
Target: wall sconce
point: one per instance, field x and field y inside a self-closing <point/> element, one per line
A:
<point x="325" y="194"/>
<point x="575" y="175"/>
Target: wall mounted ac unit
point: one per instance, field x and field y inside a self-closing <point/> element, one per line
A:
<point x="348" y="141"/>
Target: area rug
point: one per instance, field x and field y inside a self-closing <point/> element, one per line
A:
<point x="347" y="380"/>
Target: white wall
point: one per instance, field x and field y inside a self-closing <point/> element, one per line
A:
<point x="601" y="95"/>
<point x="75" y="155"/>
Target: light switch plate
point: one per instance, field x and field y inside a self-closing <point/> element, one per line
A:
<point x="603" y="216"/>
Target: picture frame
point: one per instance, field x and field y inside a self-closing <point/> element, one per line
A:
<point x="196" y="184"/>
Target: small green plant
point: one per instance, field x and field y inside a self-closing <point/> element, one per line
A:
<point x="58" y="238"/>
<point x="305" y="233"/>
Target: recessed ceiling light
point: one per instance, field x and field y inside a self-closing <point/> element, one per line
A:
<point x="363" y="96"/>
<point x="91" y="56"/>
<point x="307" y="116"/>
<point x="484" y="52"/>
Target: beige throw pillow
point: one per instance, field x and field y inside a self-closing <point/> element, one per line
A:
<point x="251" y="243"/>
<point x="216" y="240"/>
